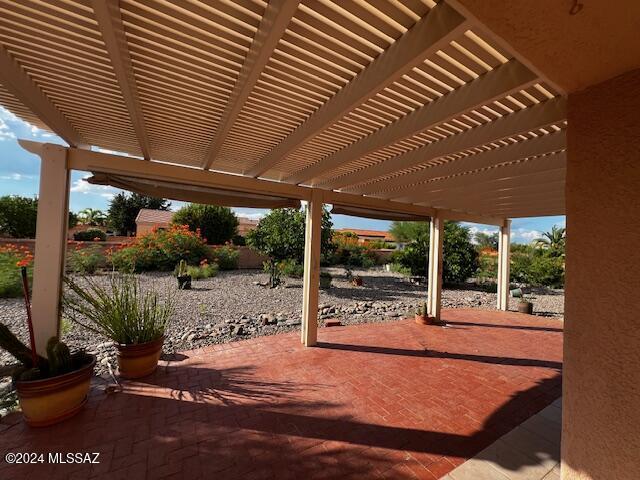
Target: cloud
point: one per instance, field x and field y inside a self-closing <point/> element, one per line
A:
<point x="82" y="186"/>
<point x="525" y="235"/>
<point x="16" y="177"/>
<point x="5" y="132"/>
<point x="487" y="231"/>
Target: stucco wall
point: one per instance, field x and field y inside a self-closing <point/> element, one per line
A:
<point x="601" y="424"/>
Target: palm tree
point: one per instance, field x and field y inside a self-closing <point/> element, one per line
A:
<point x="553" y="240"/>
<point x="92" y="216"/>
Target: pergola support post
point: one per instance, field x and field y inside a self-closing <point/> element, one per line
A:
<point x="311" y="285"/>
<point x="51" y="242"/>
<point x="436" y="236"/>
<point x="504" y="262"/>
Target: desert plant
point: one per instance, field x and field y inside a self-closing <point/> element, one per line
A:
<point x="422" y="309"/>
<point x="161" y="250"/>
<point x="59" y="359"/>
<point x="226" y="257"/>
<point x="91" y="235"/>
<point x="325" y="280"/>
<point x="92" y="216"/>
<point x="292" y="269"/>
<point x="181" y="269"/>
<point x="121" y="310"/>
<point x="204" y="270"/>
<point x="86" y="261"/>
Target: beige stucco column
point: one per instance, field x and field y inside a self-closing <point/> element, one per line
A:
<point x="504" y="264"/>
<point x="436" y="236"/>
<point x="311" y="285"/>
<point x="51" y="241"/>
<point x="601" y="380"/>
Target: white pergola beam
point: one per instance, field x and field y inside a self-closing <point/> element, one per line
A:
<point x="537" y="179"/>
<point x="430" y="34"/>
<point x="497" y="193"/>
<point x="20" y="85"/>
<point x="503" y="80"/>
<point x="479" y="167"/>
<point x="93" y="161"/>
<point x="504" y="261"/>
<point x="436" y="237"/>
<point x="51" y="243"/>
<point x="533" y="118"/>
<point x="493" y="200"/>
<point x="311" y="282"/>
<point x="107" y="13"/>
<point x="273" y="24"/>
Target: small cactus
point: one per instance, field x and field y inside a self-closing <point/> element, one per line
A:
<point x="59" y="357"/>
<point x="11" y="343"/>
<point x="182" y="268"/>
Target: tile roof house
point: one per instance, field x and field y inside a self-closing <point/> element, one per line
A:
<point x="366" y="236"/>
<point x="148" y="219"/>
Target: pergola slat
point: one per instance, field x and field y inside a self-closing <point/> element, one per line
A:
<point x="525" y="120"/>
<point x="494" y="84"/>
<point x="431" y="33"/>
<point x="18" y="83"/>
<point x="274" y="22"/>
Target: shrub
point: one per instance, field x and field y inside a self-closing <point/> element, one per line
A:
<point x="18" y="216"/>
<point x="351" y="255"/>
<point x="487" y="267"/>
<point x="239" y="240"/>
<point x="11" y="259"/>
<point x="86" y="260"/>
<point x="91" y="235"/>
<point x="204" y="270"/>
<point x="460" y="258"/>
<point x="536" y="267"/>
<point x="161" y="250"/>
<point x="401" y="269"/>
<point x="218" y="225"/>
<point x="291" y="269"/>
<point x="226" y="257"/>
<point x="122" y="310"/>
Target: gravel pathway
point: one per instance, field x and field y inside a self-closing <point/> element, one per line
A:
<point x="234" y="306"/>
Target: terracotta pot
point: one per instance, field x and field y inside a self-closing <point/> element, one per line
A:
<point x="184" y="282"/>
<point x="525" y="307"/>
<point x="423" y="319"/>
<point x="139" y="360"/>
<point x="357" y="281"/>
<point x="52" y="400"/>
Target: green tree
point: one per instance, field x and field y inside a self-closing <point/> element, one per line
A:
<point x="18" y="216"/>
<point x="92" y="216"/>
<point x="553" y="241"/>
<point x="217" y="225"/>
<point x="460" y="258"/>
<point x="280" y="236"/>
<point x="124" y="208"/>
<point x="487" y="240"/>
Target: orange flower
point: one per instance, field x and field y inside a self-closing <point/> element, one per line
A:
<point x="22" y="263"/>
<point x="96" y="239"/>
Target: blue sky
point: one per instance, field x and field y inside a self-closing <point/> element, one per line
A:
<point x="19" y="175"/>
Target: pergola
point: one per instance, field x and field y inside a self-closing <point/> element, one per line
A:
<point x="381" y="107"/>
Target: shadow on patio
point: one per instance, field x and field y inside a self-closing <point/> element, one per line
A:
<point x="267" y="408"/>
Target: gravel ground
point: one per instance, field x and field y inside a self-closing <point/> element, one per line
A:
<point x="234" y="306"/>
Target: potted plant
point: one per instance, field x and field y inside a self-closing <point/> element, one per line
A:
<point x="422" y="317"/>
<point x="356" y="280"/>
<point x="325" y="280"/>
<point x="50" y="389"/>
<point x="135" y="319"/>
<point x="182" y="273"/>
<point x="525" y="306"/>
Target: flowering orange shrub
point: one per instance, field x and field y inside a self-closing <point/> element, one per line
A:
<point x="12" y="258"/>
<point x="161" y="250"/>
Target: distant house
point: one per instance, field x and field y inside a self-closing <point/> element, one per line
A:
<point x="148" y="219"/>
<point x="368" y="236"/>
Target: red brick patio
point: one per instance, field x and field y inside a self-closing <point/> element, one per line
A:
<point x="392" y="400"/>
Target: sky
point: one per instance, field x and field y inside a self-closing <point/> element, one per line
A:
<point x="19" y="175"/>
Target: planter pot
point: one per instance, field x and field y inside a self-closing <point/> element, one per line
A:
<point x="423" y="319"/>
<point x="52" y="400"/>
<point x="525" y="307"/>
<point x="356" y="281"/>
<point x="139" y="360"/>
<point x="184" y="282"/>
<point x="325" y="283"/>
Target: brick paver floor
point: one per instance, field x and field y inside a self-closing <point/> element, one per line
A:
<point x="389" y="400"/>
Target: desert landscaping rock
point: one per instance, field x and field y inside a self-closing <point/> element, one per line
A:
<point x="235" y="306"/>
